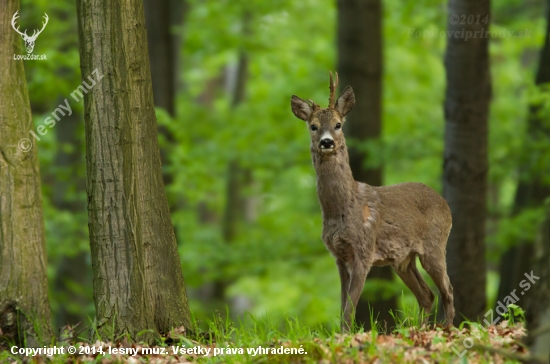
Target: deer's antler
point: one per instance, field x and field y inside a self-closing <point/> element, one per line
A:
<point x="15" y="16"/>
<point x="332" y="88"/>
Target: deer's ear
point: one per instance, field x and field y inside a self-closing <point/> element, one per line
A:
<point x="300" y="108"/>
<point x="346" y="101"/>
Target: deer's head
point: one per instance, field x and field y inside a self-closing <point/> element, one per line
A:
<point x="325" y="125"/>
<point x="29" y="40"/>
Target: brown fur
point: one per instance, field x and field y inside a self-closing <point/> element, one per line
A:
<point x="365" y="226"/>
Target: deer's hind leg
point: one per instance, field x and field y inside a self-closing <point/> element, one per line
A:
<point x="412" y="278"/>
<point x="435" y="265"/>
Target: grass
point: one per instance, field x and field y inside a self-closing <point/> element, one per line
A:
<point x="261" y="340"/>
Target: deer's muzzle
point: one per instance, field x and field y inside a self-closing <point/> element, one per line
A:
<point x="327" y="144"/>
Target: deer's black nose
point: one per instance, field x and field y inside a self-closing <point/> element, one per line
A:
<point x="327" y="143"/>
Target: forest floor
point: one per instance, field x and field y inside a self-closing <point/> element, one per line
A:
<point x="492" y="344"/>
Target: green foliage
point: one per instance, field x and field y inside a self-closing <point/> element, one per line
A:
<point x="413" y="94"/>
<point x="275" y="260"/>
<point x="277" y="264"/>
<point x="513" y="312"/>
<point x="519" y="228"/>
<point x="412" y="317"/>
<point x="278" y="259"/>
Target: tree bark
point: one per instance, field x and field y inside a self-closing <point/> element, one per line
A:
<point x="138" y="282"/>
<point x="360" y="63"/>
<point x="163" y="45"/>
<point x="465" y="167"/>
<point x="23" y="279"/>
<point x="164" y="49"/>
<point x="160" y="41"/>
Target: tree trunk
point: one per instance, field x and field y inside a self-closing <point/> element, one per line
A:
<point x="465" y="158"/>
<point x="360" y="65"/>
<point x="138" y="282"/>
<point x="532" y="190"/>
<point x="537" y="299"/>
<point x="164" y="48"/>
<point x="23" y="280"/>
<point x="237" y="180"/>
<point x="163" y="45"/>
<point x="161" y="52"/>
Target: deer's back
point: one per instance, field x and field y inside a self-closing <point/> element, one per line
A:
<point x="414" y="215"/>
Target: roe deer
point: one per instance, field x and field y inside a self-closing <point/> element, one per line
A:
<point x="365" y="226"/>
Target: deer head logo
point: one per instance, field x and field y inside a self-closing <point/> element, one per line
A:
<point x="29" y="40"/>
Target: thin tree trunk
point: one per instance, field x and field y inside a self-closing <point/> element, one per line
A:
<point x="532" y="190"/>
<point x="23" y="280"/>
<point x="360" y="65"/>
<point x="138" y="282"/>
<point x="208" y="217"/>
<point x="465" y="158"/>
<point x="234" y="212"/>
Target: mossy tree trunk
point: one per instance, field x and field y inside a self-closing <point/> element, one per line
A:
<point x="138" y="282"/>
<point x="23" y="281"/>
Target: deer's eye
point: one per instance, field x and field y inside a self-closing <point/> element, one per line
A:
<point x="338" y="126"/>
<point x="313" y="127"/>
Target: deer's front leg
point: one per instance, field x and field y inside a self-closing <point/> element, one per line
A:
<point x="344" y="284"/>
<point x="358" y="273"/>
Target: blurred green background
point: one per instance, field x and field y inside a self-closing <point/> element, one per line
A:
<point x="251" y="240"/>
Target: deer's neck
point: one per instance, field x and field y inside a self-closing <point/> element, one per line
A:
<point x="336" y="187"/>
